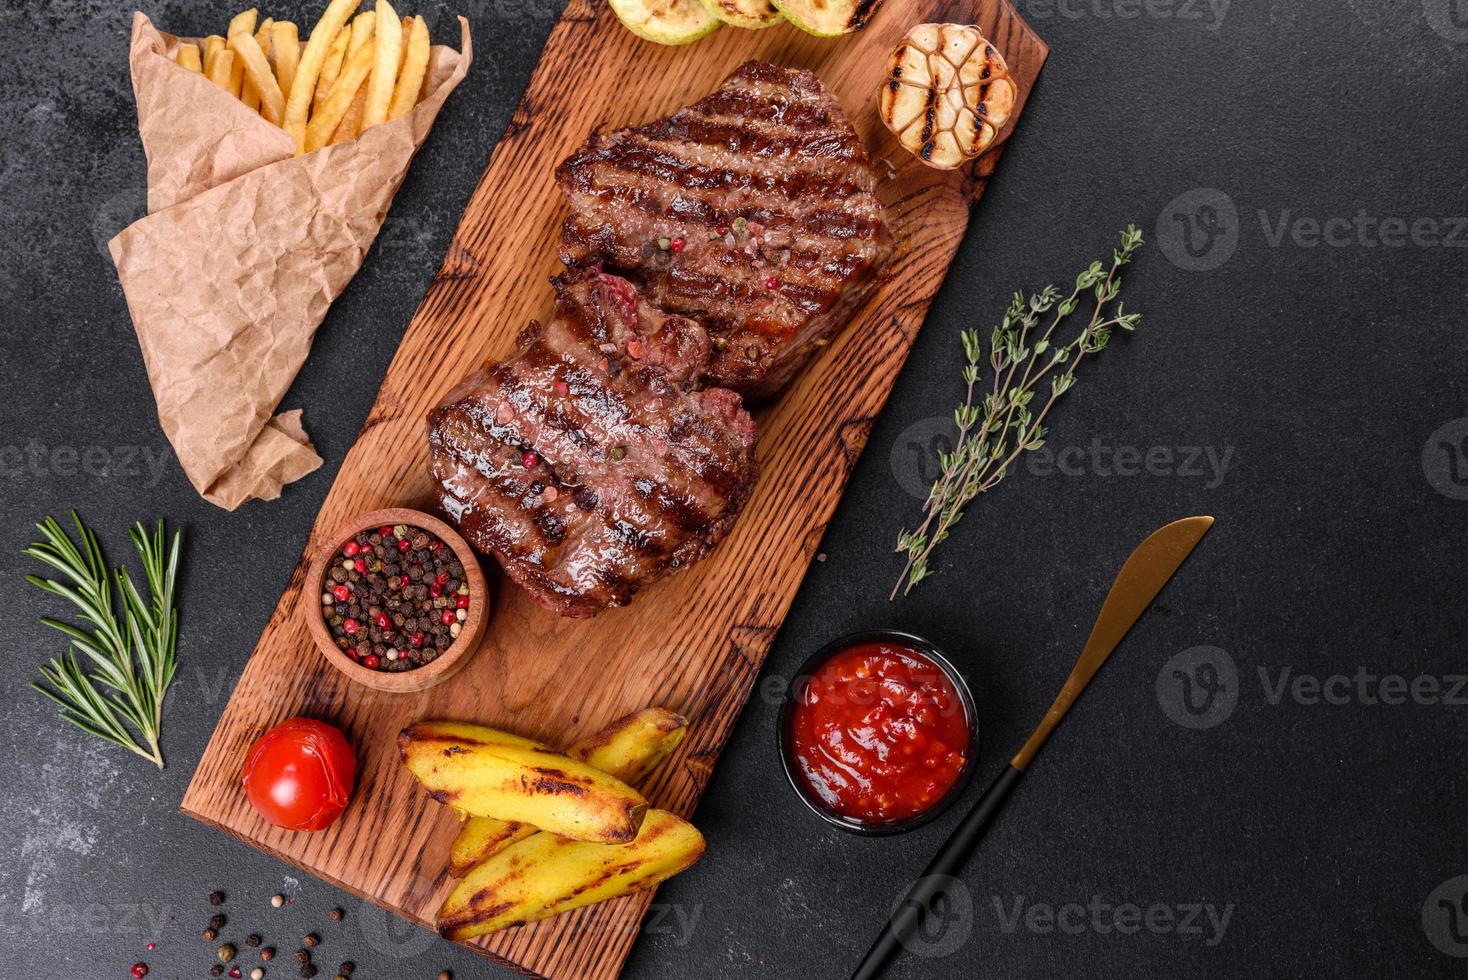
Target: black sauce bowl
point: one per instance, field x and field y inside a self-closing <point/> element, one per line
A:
<point x="927" y="651"/>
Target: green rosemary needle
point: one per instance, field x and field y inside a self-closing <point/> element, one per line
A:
<point x="994" y="431"/>
<point x="129" y="644"/>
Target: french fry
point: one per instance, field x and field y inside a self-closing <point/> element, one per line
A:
<point x="545" y="875"/>
<point x="285" y="42"/>
<point x="384" y="65"/>
<point x="328" y="117"/>
<point x="480" y="770"/>
<point x="351" y="124"/>
<point x="188" y="57"/>
<point x="249" y="90"/>
<point x="262" y="79"/>
<point x="332" y="67"/>
<point x="629" y="748"/>
<point x="362" y="32"/>
<point x="364" y="29"/>
<point x="309" y="71"/>
<point x="242" y="21"/>
<point x="213" y="44"/>
<point x="221" y="70"/>
<point x="415" y="67"/>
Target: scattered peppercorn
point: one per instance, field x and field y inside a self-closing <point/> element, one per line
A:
<point x="277" y="900"/>
<point x="337" y="914"/>
<point x="257" y="973"/>
<point x="347" y="968"/>
<point x="210" y="934"/>
<point x="445" y="975"/>
<point x="308" y="971"/>
<point x="216" y="898"/>
<point x="217" y="922"/>
<point x="253" y="940"/>
<point x="226" y="952"/>
<point x="217" y="970"/>
<point x="234" y="973"/>
<point x="303" y="956"/>
<point x="140" y="970"/>
<point x="312" y="940"/>
<point x="267" y="954"/>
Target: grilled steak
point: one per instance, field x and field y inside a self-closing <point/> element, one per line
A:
<point x="762" y="195"/>
<point x="588" y="463"/>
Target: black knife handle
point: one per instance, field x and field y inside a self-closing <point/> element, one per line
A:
<point x="917" y="904"/>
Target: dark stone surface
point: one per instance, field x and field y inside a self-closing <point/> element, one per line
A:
<point x="1322" y="374"/>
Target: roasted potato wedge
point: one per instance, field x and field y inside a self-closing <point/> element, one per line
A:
<point x="632" y="747"/>
<point x="480" y="839"/>
<point x="545" y="875"/>
<point x="629" y="748"/>
<point x="493" y="774"/>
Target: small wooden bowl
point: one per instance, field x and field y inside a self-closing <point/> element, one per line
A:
<point x="447" y="663"/>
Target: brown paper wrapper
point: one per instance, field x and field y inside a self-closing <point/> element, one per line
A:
<point x="244" y="248"/>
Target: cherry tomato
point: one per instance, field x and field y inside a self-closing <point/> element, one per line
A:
<point x="299" y="774"/>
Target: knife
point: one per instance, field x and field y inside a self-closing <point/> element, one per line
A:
<point x="1142" y="577"/>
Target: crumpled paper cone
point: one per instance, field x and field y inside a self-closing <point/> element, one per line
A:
<point x="244" y="248"/>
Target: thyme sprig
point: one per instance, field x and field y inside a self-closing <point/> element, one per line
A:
<point x="130" y="644"/>
<point x="994" y="431"/>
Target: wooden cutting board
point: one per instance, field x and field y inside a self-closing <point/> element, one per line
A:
<point x="694" y="642"/>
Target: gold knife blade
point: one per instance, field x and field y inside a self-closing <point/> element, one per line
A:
<point x="1148" y="569"/>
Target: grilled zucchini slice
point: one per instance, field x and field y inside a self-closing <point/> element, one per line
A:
<point x="666" y="21"/>
<point x="828" y="18"/>
<point x="947" y="94"/>
<point x="750" y="14"/>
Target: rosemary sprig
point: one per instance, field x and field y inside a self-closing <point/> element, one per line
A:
<point x="1023" y="352"/>
<point x="129" y="644"/>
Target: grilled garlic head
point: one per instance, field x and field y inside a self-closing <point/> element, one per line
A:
<point x="947" y="94"/>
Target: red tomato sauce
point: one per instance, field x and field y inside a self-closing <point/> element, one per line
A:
<point x="879" y="733"/>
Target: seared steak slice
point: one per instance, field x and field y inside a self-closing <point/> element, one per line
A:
<point x="763" y="194"/>
<point x="586" y="462"/>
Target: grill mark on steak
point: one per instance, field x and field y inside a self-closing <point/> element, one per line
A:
<point x="648" y="471"/>
<point x="771" y="147"/>
<point x="638" y="158"/>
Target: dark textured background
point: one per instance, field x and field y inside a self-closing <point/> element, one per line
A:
<point x="1322" y="374"/>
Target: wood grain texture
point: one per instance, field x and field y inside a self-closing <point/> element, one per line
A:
<point x="693" y="642"/>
